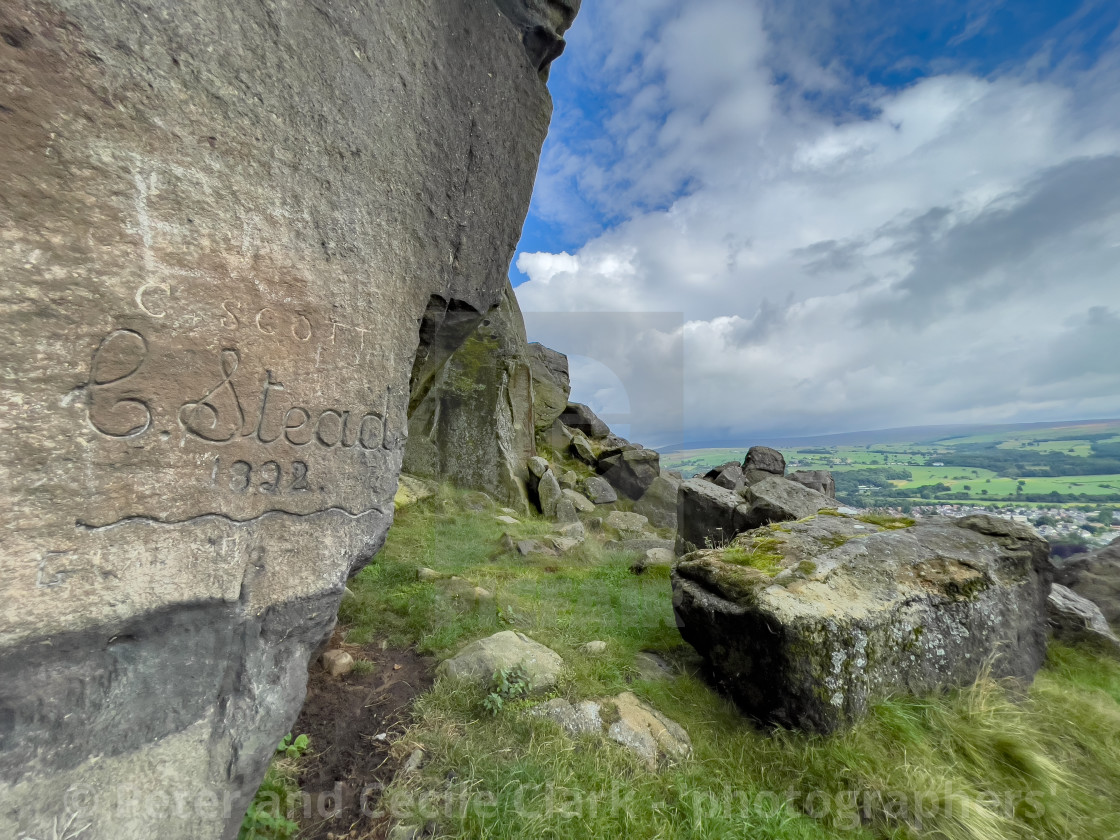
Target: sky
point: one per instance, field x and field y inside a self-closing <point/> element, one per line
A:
<point x="840" y="215"/>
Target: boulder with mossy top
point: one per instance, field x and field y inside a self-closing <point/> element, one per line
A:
<point x="806" y="624"/>
<point x="582" y="449"/>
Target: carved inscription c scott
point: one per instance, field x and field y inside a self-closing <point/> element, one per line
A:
<point x="119" y="408"/>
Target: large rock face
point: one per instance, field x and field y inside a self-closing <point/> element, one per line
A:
<point x="223" y="225"/>
<point x="809" y="623"/>
<point x="471" y="421"/>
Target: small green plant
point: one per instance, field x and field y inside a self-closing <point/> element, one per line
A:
<point x="506" y="684"/>
<point x="364" y="666"/>
<point x="267" y="817"/>
<point x="296" y="748"/>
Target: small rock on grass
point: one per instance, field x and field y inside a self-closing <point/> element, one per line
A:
<point x="627" y="522"/>
<point x="428" y="574"/>
<point x="593" y="648"/>
<point x="572" y="529"/>
<point x="338" y="663"/>
<point x="637" y="726"/>
<point x="478" y="661"/>
<point x="508" y="520"/>
<point x="653" y="558"/>
<point x="413" y="762"/>
<point x="527" y="547"/>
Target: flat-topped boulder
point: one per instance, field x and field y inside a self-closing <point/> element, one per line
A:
<point x="776" y="499"/>
<point x="807" y="624"/>
<point x="710" y="516"/>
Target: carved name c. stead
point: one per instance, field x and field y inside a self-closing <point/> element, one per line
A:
<point x="118" y="410"/>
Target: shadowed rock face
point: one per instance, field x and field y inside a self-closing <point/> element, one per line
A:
<point x="224" y="227"/>
<point x="1096" y="576"/>
<point x="542" y="24"/>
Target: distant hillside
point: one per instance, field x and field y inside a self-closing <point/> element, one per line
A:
<point x="908" y="434"/>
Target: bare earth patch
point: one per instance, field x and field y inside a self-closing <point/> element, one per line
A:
<point x="352" y="722"/>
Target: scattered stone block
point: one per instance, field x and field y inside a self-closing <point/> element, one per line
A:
<point x="599" y="490"/>
<point x="478" y="661"/>
<point x="1078" y="621"/>
<point x="337" y="663"/>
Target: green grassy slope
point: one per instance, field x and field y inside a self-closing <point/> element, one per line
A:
<point x="979" y="764"/>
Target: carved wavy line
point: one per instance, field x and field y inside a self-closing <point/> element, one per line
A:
<point x="153" y="520"/>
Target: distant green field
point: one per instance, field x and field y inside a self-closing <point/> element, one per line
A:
<point x="1064" y="443"/>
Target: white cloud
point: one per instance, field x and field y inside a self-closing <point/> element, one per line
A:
<point x="950" y="256"/>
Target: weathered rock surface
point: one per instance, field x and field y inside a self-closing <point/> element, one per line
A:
<point x="578" y="500"/>
<point x="410" y="490"/>
<point x="766" y="459"/>
<point x="1078" y="621"/>
<point x="542" y="24"/>
<point x="630" y="471"/>
<point x="478" y="661"/>
<point x="581" y="418"/>
<point x="658" y="741"/>
<point x="551" y="385"/>
<point x="820" y="480"/>
<point x="228" y="231"/>
<point x="729" y="476"/>
<point x="808" y="624"/>
<point x="708" y="515"/>
<point x="581" y="448"/>
<point x="599" y="490"/>
<point x="1095" y="576"/>
<point x="777" y="499"/>
<point x="337" y="663"/>
<point x="625" y="522"/>
<point x="659" y="503"/>
<point x="549" y="493"/>
<point x="471" y="421"/>
<point x="566" y="511"/>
